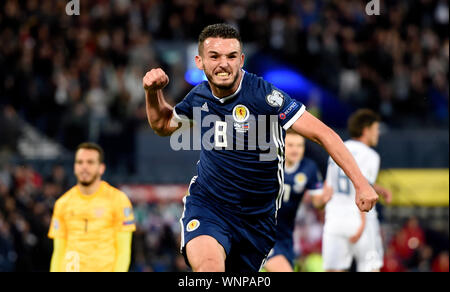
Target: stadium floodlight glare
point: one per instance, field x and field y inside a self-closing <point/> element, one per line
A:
<point x="289" y="80"/>
<point x="194" y="76"/>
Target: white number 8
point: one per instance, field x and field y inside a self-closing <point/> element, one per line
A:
<point x="220" y="131"/>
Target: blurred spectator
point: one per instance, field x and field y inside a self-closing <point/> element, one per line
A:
<point x="392" y="263"/>
<point x="414" y="248"/>
<point x="59" y="178"/>
<point x="8" y="255"/>
<point x="414" y="233"/>
<point x="408" y="240"/>
<point x="10" y="130"/>
<point x="440" y="263"/>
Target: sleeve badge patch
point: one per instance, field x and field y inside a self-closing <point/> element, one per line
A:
<point x="127" y="211"/>
<point x="275" y="99"/>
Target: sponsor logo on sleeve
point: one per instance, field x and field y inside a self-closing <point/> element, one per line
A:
<point x="292" y="106"/>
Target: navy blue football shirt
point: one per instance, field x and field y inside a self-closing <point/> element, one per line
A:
<point x="302" y="177"/>
<point x="241" y="164"/>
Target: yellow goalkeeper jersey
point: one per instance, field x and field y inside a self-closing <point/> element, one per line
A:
<point x="89" y="224"/>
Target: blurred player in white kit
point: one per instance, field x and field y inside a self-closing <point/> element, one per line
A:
<point x="349" y="233"/>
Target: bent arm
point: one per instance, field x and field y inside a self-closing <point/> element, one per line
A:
<point x="312" y="128"/>
<point x="159" y="113"/>
<point x="59" y="249"/>
<point x="353" y="239"/>
<point x="123" y="251"/>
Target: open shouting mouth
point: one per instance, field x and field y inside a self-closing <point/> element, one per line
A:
<point x="223" y="74"/>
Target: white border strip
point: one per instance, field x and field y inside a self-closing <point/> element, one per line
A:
<point x="294" y="118"/>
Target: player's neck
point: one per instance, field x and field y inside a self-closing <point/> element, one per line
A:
<point x="90" y="189"/>
<point x="289" y="165"/>
<point x="220" y="93"/>
<point x="363" y="140"/>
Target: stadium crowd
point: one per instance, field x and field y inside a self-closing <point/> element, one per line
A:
<point x="78" y="78"/>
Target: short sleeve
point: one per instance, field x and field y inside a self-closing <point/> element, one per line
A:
<point x="124" y="216"/>
<point x="57" y="224"/>
<point x="371" y="171"/>
<point x="184" y="109"/>
<point x="315" y="181"/>
<point x="287" y="108"/>
<point x="291" y="113"/>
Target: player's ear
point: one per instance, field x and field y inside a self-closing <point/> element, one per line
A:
<point x="199" y="62"/>
<point x="102" y="168"/>
<point x="242" y="60"/>
<point x="365" y="131"/>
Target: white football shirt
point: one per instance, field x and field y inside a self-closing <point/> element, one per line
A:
<point x="342" y="216"/>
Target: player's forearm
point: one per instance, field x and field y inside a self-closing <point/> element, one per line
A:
<point x="334" y="145"/>
<point x="312" y="128"/>
<point x="363" y="223"/>
<point x="353" y="239"/>
<point x="159" y="112"/>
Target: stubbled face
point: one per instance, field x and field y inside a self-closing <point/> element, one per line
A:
<point x="221" y="60"/>
<point x="373" y="133"/>
<point x="87" y="167"/>
<point x="295" y="148"/>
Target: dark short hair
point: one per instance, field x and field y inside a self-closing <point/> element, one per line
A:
<point x="293" y="132"/>
<point x="93" y="146"/>
<point x="361" y="119"/>
<point x="218" y="30"/>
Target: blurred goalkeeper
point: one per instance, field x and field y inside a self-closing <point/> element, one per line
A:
<point x="92" y="223"/>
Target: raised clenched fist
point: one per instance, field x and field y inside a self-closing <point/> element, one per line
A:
<point x="155" y="79"/>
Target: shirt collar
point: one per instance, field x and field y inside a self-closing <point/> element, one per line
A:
<point x="293" y="168"/>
